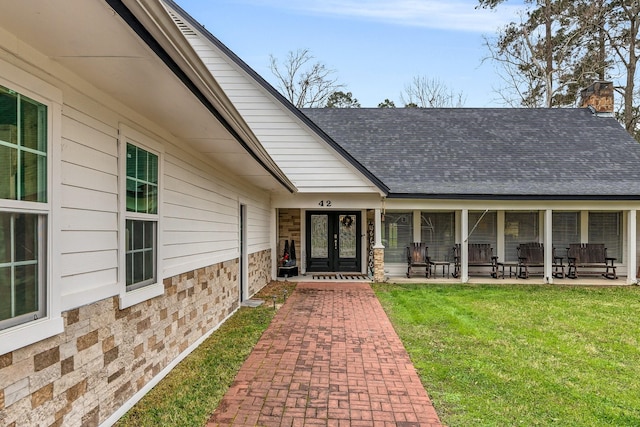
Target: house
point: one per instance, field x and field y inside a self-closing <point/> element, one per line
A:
<point x="150" y="178"/>
<point x="135" y="207"/>
<point x="494" y="176"/>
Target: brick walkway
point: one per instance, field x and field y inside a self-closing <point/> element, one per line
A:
<point x="329" y="358"/>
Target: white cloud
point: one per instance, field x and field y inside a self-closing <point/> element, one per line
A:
<point x="459" y="15"/>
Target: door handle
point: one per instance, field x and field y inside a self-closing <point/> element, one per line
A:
<point x="335" y="241"/>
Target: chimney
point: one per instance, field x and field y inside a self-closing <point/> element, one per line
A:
<point x="598" y="97"/>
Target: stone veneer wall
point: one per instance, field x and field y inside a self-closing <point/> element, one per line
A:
<point x="105" y="355"/>
<point x="259" y="270"/>
<point x="289" y="229"/>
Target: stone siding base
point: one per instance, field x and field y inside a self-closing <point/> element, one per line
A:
<point x="105" y="355"/>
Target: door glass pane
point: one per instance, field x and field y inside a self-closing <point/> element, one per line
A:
<point x="347" y="236"/>
<point x="319" y="234"/>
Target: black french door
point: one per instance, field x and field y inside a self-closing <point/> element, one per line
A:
<point x="333" y="241"/>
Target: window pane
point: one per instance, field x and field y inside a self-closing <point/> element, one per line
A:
<point x="5" y="239"/>
<point x="437" y="230"/>
<point x="26" y="289"/>
<point x="138" y="267"/>
<point x="33" y="173"/>
<point x="606" y="227"/>
<point x="8" y="171"/>
<point x="129" y="272"/>
<point x="566" y="230"/>
<point x="131" y="161"/>
<point x="5" y="293"/>
<point x="26" y="237"/>
<point x="483" y="228"/>
<point x="519" y="227"/>
<point x="149" y="265"/>
<point x="33" y="130"/>
<point x="8" y="116"/>
<point x="149" y="234"/>
<point x="153" y="169"/>
<point x="141" y="165"/>
<point x="397" y="234"/>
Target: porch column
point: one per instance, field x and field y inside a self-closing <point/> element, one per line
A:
<point x="378" y="248"/>
<point x="548" y="246"/>
<point x="464" y="246"/>
<point x="632" y="264"/>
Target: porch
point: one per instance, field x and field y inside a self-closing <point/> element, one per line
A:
<point x="385" y="233"/>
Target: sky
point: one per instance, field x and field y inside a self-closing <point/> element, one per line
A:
<point x="375" y="47"/>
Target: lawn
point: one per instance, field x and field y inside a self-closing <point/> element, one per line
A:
<point x="500" y="355"/>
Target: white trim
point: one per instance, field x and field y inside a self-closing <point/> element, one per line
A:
<point x="155" y="380"/>
<point x="19" y="336"/>
<point x="128" y="299"/>
<point x="80" y="298"/>
<point x="30" y="333"/>
<point x="129" y="135"/>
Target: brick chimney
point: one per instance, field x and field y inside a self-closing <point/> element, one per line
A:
<point x="598" y="96"/>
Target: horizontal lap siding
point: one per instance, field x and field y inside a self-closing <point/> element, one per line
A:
<point x="89" y="205"/>
<point x="200" y="212"/>
<point x="310" y="164"/>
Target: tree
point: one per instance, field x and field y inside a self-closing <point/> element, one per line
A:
<point x="387" y="104"/>
<point x="340" y="99"/>
<point x="582" y="40"/>
<point x="536" y="56"/>
<point x="304" y="83"/>
<point x="426" y="92"/>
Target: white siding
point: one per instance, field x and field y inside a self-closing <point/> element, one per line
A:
<point x="310" y="163"/>
<point x="200" y="212"/>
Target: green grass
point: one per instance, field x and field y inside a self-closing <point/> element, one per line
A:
<point x="193" y="389"/>
<point x="497" y="355"/>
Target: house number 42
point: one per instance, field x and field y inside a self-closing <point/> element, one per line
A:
<point x="326" y="203"/>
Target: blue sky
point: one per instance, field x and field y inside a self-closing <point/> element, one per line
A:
<point x="376" y="47"/>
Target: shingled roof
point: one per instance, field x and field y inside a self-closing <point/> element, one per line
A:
<point x="498" y="153"/>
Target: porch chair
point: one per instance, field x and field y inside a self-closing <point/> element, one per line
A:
<point x="418" y="256"/>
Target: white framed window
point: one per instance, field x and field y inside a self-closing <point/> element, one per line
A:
<point x="140" y="241"/>
<point x="23" y="237"/>
<point x="519" y="227"/>
<point x="29" y="294"/>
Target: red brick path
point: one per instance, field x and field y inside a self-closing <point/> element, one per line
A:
<point x="329" y="358"/>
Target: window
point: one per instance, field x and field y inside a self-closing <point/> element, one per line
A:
<point x="397" y="233"/>
<point x="566" y="230"/>
<point x="606" y="227"/>
<point x="483" y="228"/>
<point x="437" y="230"/>
<point x="519" y="227"/>
<point x="23" y="208"/>
<point x="141" y="229"/>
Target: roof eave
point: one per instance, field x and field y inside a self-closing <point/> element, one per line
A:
<point x="150" y="20"/>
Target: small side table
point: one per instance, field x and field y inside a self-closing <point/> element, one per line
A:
<point x="443" y="264"/>
<point x="513" y="268"/>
